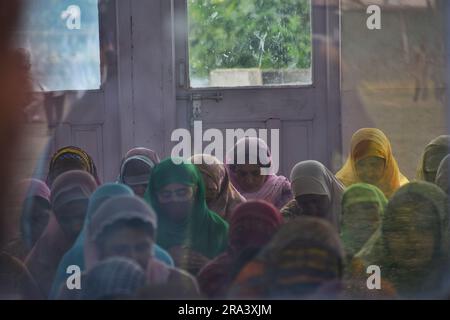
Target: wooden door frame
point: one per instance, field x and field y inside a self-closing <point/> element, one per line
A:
<point x="141" y="24"/>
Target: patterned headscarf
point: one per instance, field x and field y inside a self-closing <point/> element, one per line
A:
<point x="72" y="154"/>
<point x="148" y="153"/>
<point x="141" y="159"/>
<point x="228" y="198"/>
<point x="252" y="226"/>
<point x="303" y="257"/>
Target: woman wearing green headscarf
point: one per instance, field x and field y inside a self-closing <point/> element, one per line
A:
<point x="412" y="249"/>
<point x="363" y="207"/>
<point x="186" y="227"/>
<point x="362" y="210"/>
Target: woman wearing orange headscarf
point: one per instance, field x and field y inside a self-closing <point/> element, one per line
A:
<point x="371" y="161"/>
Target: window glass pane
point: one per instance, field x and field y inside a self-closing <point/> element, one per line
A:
<point x="62" y="38"/>
<point x="394" y="78"/>
<point x="249" y="43"/>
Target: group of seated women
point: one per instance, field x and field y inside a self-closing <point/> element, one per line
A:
<point x="202" y="229"/>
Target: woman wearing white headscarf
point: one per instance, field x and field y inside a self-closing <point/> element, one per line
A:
<point x="317" y="193"/>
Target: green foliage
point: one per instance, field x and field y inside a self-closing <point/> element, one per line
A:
<point x="266" y="34"/>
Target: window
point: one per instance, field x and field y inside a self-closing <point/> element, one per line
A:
<point x="62" y="38"/>
<point x="235" y="43"/>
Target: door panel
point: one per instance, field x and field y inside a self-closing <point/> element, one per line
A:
<point x="91" y="119"/>
<point x="296" y="143"/>
<point x="142" y="102"/>
<point x="307" y="116"/>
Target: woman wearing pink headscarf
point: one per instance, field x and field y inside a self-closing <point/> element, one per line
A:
<point x="247" y="177"/>
<point x="69" y="199"/>
<point x="33" y="197"/>
<point x="252" y="226"/>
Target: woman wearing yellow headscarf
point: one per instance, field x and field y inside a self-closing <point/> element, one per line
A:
<point x="371" y="161"/>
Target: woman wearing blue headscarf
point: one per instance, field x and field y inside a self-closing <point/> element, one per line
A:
<point x="75" y="256"/>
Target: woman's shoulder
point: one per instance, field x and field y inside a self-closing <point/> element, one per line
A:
<point x="216" y="265"/>
<point x="280" y="179"/>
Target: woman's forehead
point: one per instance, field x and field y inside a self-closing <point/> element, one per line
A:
<point x="369" y="148"/>
<point x="370" y="159"/>
<point x="176" y="186"/>
<point x="369" y="203"/>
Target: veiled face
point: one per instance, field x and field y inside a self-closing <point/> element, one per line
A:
<point x="176" y="200"/>
<point x="360" y="221"/>
<point x="314" y="205"/>
<point x="371" y="169"/>
<point x="175" y="192"/>
<point x="410" y="236"/>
